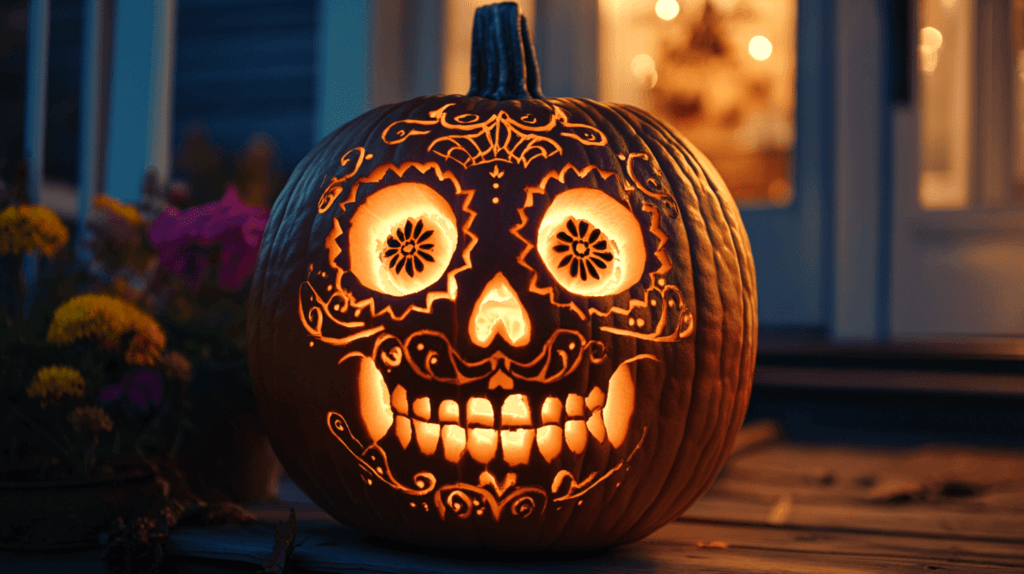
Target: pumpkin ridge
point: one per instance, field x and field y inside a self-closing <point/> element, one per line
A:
<point x="697" y="410"/>
<point x="656" y="490"/>
<point x="723" y="211"/>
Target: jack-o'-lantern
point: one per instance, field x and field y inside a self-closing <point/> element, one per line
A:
<point x="504" y="321"/>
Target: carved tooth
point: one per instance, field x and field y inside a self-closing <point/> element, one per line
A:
<point x="595" y="399"/>
<point x="551" y="411"/>
<point x="403" y="430"/>
<point x="448" y="412"/>
<point x="400" y="400"/>
<point x="573" y="406"/>
<point x="549" y="441"/>
<point x="515" y="411"/>
<point x="421" y="408"/>
<point x="516" y="445"/>
<point x="373" y="400"/>
<point x="426" y="436"/>
<point x="453" y="438"/>
<point x="576" y="435"/>
<point x="595" y="424"/>
<point x="479" y="412"/>
<point x="482" y="444"/>
<point x="618" y="408"/>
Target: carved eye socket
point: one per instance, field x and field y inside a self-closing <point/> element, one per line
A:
<point x="402" y="238"/>
<point x="591" y="244"/>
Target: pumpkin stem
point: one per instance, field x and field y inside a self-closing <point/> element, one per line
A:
<point x="503" y="65"/>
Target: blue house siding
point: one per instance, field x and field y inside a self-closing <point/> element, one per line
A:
<point x="246" y="66"/>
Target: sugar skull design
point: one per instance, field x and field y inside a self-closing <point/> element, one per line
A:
<point x="503" y="321"/>
<point x="473" y="312"/>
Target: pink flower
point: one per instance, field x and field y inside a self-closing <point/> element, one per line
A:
<point x="186" y="239"/>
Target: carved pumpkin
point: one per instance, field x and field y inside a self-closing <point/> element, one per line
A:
<point x="504" y="321"/>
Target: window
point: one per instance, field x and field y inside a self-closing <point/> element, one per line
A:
<point x="723" y="72"/>
<point x="970" y="75"/>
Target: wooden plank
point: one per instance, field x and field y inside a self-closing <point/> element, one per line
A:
<point x="849" y="518"/>
<point x="794" y="539"/>
<point x="776" y="508"/>
<point x="328" y="547"/>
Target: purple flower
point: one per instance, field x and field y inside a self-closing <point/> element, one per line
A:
<point x="184" y="240"/>
<point x="144" y="389"/>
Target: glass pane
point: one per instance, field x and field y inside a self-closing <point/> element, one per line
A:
<point x="945" y="77"/>
<point x="722" y="72"/>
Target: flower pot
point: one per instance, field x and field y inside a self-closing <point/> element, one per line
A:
<point x="69" y="514"/>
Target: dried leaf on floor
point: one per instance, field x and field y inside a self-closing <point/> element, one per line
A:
<point x="284" y="543"/>
<point x="780" y="511"/>
<point x="896" y="488"/>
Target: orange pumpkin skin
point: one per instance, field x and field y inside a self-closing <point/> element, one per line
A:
<point x="577" y="269"/>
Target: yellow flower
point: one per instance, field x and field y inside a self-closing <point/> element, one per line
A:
<point x="90" y="419"/>
<point x="107" y="319"/>
<point x="125" y="211"/>
<point x="52" y="383"/>
<point x="28" y="228"/>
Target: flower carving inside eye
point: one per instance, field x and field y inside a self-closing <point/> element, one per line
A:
<point x="408" y="247"/>
<point x="585" y="248"/>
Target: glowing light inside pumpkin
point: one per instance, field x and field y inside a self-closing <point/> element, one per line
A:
<point x="591" y="244"/>
<point x="373" y="400"/>
<point x="403" y="430"/>
<point x="515" y="411"/>
<point x="453" y="437"/>
<point x="448" y="412"/>
<point x="400" y="400"/>
<point x="498" y="311"/>
<point x="618" y="407"/>
<point x="551" y="411"/>
<point x="549" y="441"/>
<point x="479" y="412"/>
<point x="574" y="405"/>
<point x="595" y="424"/>
<point x="421" y="408"/>
<point x="482" y="444"/>
<point x="402" y="238"/>
<point x="516" y="445"/>
<point x="576" y="435"/>
<point x="427" y="435"/>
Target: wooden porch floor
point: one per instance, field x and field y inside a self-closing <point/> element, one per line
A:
<point x="776" y="507"/>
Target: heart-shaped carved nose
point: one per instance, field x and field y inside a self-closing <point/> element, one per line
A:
<point x="498" y="311"/>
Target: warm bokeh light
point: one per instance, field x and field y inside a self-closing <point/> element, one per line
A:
<point x="666" y="9"/>
<point x="644" y="70"/>
<point x="760" y="48"/>
<point x="931" y="41"/>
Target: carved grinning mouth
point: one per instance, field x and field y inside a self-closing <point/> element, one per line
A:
<point x="491" y="426"/>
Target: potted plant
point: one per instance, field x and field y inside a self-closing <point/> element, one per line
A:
<point x="93" y="403"/>
<point x="191" y="269"/>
